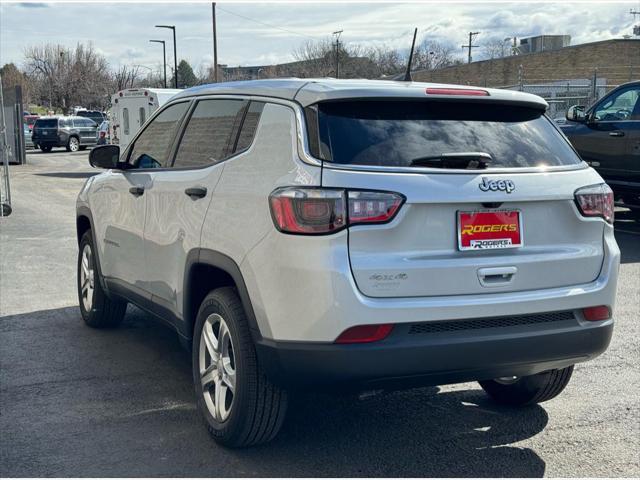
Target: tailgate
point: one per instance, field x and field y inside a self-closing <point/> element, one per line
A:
<point x="419" y="252"/>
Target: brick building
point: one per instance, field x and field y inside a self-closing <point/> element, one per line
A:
<point x="612" y="61"/>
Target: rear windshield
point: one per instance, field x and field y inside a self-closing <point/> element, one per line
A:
<point x="409" y="133"/>
<point x="47" y="123"/>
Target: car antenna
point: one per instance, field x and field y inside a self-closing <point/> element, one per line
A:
<point x="407" y="75"/>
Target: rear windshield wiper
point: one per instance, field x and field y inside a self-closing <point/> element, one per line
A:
<point x="460" y="160"/>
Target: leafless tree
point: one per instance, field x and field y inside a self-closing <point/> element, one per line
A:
<point x="64" y="77"/>
<point x="495" y="48"/>
<point x="125" y="77"/>
<point x="430" y="55"/>
<point x="12" y="77"/>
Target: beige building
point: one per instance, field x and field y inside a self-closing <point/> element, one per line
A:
<point x="612" y="61"/>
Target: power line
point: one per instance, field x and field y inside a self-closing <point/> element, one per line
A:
<point x="265" y="24"/>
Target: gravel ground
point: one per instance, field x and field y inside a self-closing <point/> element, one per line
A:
<point x="80" y="402"/>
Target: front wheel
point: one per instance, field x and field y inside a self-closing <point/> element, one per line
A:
<point x="46" y="148"/>
<point x="520" y="391"/>
<point x="73" y="145"/>
<point x="96" y="308"/>
<point x="241" y="407"/>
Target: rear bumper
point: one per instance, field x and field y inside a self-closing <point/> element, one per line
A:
<point x="405" y="360"/>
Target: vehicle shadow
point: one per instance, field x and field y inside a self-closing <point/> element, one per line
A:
<point x="127" y="394"/>
<point x="422" y="432"/>
<point x="68" y="174"/>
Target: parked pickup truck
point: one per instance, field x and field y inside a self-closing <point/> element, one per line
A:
<point x="607" y="137"/>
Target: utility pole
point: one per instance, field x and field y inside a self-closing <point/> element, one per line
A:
<point x="472" y="36"/>
<point x="215" y="43"/>
<point x="175" y="56"/>
<point x="337" y="34"/>
<point x="164" y="58"/>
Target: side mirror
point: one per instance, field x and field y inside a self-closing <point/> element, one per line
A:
<point x="105" y="156"/>
<point x="576" y="114"/>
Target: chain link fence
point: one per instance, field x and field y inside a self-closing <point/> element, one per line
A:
<point x="585" y="88"/>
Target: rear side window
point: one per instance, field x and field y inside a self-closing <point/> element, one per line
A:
<point x="406" y="133"/>
<point x="210" y="133"/>
<point x="151" y="149"/>
<point x="249" y="125"/>
<point x="125" y="120"/>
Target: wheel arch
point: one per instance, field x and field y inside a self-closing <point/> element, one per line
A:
<point x="84" y="222"/>
<point x="205" y="271"/>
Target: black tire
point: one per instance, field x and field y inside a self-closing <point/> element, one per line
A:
<point x="100" y="311"/>
<point x="73" y="144"/>
<point x="257" y="407"/>
<point x="46" y="149"/>
<point x="530" y="389"/>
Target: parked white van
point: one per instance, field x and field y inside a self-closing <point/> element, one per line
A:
<point x="130" y="108"/>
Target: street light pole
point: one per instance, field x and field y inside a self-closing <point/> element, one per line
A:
<point x="175" y="57"/>
<point x="164" y="58"/>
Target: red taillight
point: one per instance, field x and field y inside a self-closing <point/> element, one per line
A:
<point x="365" y="333"/>
<point x="470" y="92"/>
<point x="596" y="201"/>
<point x="595" y="314"/>
<point x="308" y="211"/>
<point x="317" y="211"/>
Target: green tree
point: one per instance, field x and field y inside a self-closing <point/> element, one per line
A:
<point x="186" y="77"/>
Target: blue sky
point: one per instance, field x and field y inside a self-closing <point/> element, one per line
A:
<point x="121" y="30"/>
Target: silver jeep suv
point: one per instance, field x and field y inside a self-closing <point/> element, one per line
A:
<point x="352" y="235"/>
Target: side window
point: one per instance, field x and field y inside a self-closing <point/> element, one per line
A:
<point x="210" y="133"/>
<point x="249" y="126"/>
<point x="151" y="149"/>
<point x="143" y="115"/>
<point x="125" y="120"/>
<point x="618" y="107"/>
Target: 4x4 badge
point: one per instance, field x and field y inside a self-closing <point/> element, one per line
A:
<point x="495" y="185"/>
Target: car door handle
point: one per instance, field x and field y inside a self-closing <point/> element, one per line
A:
<point x="197" y="192"/>
<point x="136" y="191"/>
<point x="616" y="134"/>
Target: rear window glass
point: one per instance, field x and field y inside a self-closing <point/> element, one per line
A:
<point x="400" y="133"/>
<point x="249" y="126"/>
<point x="47" y="123"/>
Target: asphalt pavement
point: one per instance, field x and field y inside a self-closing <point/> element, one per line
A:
<point x="81" y="402"/>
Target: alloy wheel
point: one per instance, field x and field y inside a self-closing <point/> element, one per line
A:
<point x="217" y="367"/>
<point x="74" y="145"/>
<point x="87" y="278"/>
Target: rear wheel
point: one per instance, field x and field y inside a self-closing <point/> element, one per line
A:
<point x="97" y="310"/>
<point x="240" y="406"/>
<point x="73" y="145"/>
<point x="519" y="391"/>
<point x="46" y="148"/>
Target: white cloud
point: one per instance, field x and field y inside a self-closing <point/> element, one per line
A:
<point x="122" y="31"/>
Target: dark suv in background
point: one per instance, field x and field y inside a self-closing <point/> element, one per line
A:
<point x="607" y="137"/>
<point x="73" y="132"/>
<point x="95" y="115"/>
